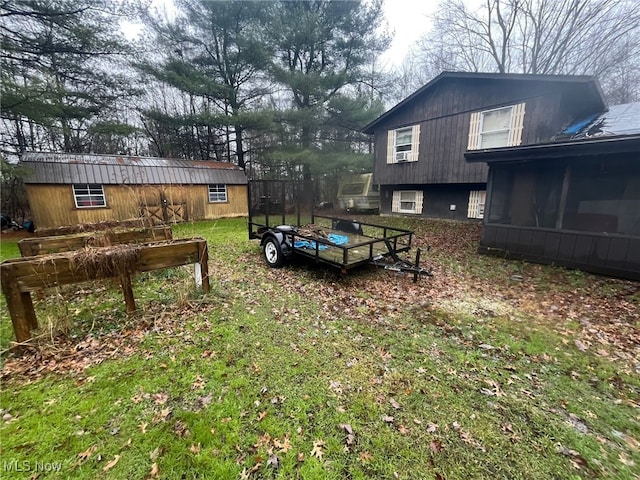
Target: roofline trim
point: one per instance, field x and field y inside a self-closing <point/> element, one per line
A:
<point x="547" y="150"/>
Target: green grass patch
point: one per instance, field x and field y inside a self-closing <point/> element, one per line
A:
<point x="302" y="373"/>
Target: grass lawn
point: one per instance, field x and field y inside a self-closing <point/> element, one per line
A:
<point x="488" y="370"/>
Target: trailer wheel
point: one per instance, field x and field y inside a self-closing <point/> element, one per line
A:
<point x="273" y="253"/>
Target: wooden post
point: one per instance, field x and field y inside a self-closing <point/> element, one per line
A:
<point x="204" y="265"/>
<point x="127" y="291"/>
<point x="19" y="304"/>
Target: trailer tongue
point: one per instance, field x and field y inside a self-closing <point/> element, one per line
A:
<point x="282" y="217"/>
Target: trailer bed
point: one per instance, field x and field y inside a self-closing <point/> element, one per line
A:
<point x="374" y="243"/>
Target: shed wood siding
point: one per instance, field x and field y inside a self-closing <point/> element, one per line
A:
<point x="53" y="205"/>
<point x="444" y="114"/>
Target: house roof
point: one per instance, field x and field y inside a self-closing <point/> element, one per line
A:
<point x="588" y="83"/>
<point x="68" y="168"/>
<point x="621" y="119"/>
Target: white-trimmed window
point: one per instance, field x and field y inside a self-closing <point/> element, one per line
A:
<point x="402" y="144"/>
<point x="88" y="195"/>
<point x="500" y="127"/>
<point x="217" y="193"/>
<point x="477" y="199"/>
<point x="407" y="201"/>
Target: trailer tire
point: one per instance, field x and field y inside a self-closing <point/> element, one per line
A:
<point x="273" y="253"/>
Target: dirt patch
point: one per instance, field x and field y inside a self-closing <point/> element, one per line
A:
<point x="15" y="234"/>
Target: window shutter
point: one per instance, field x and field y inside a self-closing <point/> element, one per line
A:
<point x="419" y="200"/>
<point x="472" y="209"/>
<point x="390" y="146"/>
<point x="517" y="121"/>
<point x="415" y="142"/>
<point x="395" y="204"/>
<point x="474" y="131"/>
<point x="477" y="199"/>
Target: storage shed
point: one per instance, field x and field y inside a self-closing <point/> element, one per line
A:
<point x="67" y="189"/>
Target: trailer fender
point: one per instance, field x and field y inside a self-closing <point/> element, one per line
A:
<point x="276" y="246"/>
<point x="278" y="233"/>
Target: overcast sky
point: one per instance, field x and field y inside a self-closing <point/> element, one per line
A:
<point x="407" y="21"/>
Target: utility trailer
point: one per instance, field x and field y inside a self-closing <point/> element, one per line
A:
<point x="282" y="217"/>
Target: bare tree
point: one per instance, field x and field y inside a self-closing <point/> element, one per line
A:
<point x="595" y="37"/>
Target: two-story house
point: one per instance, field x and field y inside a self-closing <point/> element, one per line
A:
<point x="419" y="144"/>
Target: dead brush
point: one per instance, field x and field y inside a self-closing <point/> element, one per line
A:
<point x="108" y="261"/>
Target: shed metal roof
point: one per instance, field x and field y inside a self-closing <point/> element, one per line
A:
<point x="68" y="168"/>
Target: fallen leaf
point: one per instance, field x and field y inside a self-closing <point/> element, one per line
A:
<point x="626" y="461"/>
<point x="205" y="400"/>
<point x="300" y="457"/>
<point x="436" y="445"/>
<point x="365" y="457"/>
<point x="346" y="427"/>
<point x="432" y="427"/>
<point x="262" y="415"/>
<point x="580" y="345"/>
<point x="403" y="430"/>
<point x="143" y="427"/>
<point x="198" y="383"/>
<point x="195" y="448"/>
<point x="162" y="415"/>
<point x="317" y="449"/>
<point x="82" y="456"/>
<point x="160" y="398"/>
<point x="155" y="471"/>
<point x="387" y="419"/>
<point x="283" y="446"/>
<point x="181" y="430"/>
<point x="111" y="464"/>
<point x="153" y="455"/>
<point x="87" y="453"/>
<point x="394" y="403"/>
<point x="273" y="461"/>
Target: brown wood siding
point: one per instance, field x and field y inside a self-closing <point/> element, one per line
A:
<point x="444" y="114"/>
<point x="53" y="206"/>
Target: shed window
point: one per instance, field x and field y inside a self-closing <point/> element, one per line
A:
<point x="500" y="127"/>
<point x="407" y="201"/>
<point x="89" y="195"/>
<point x="217" y="193"/>
<point x="402" y="144"/>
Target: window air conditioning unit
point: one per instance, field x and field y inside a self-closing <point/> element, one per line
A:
<point x="402" y="156"/>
